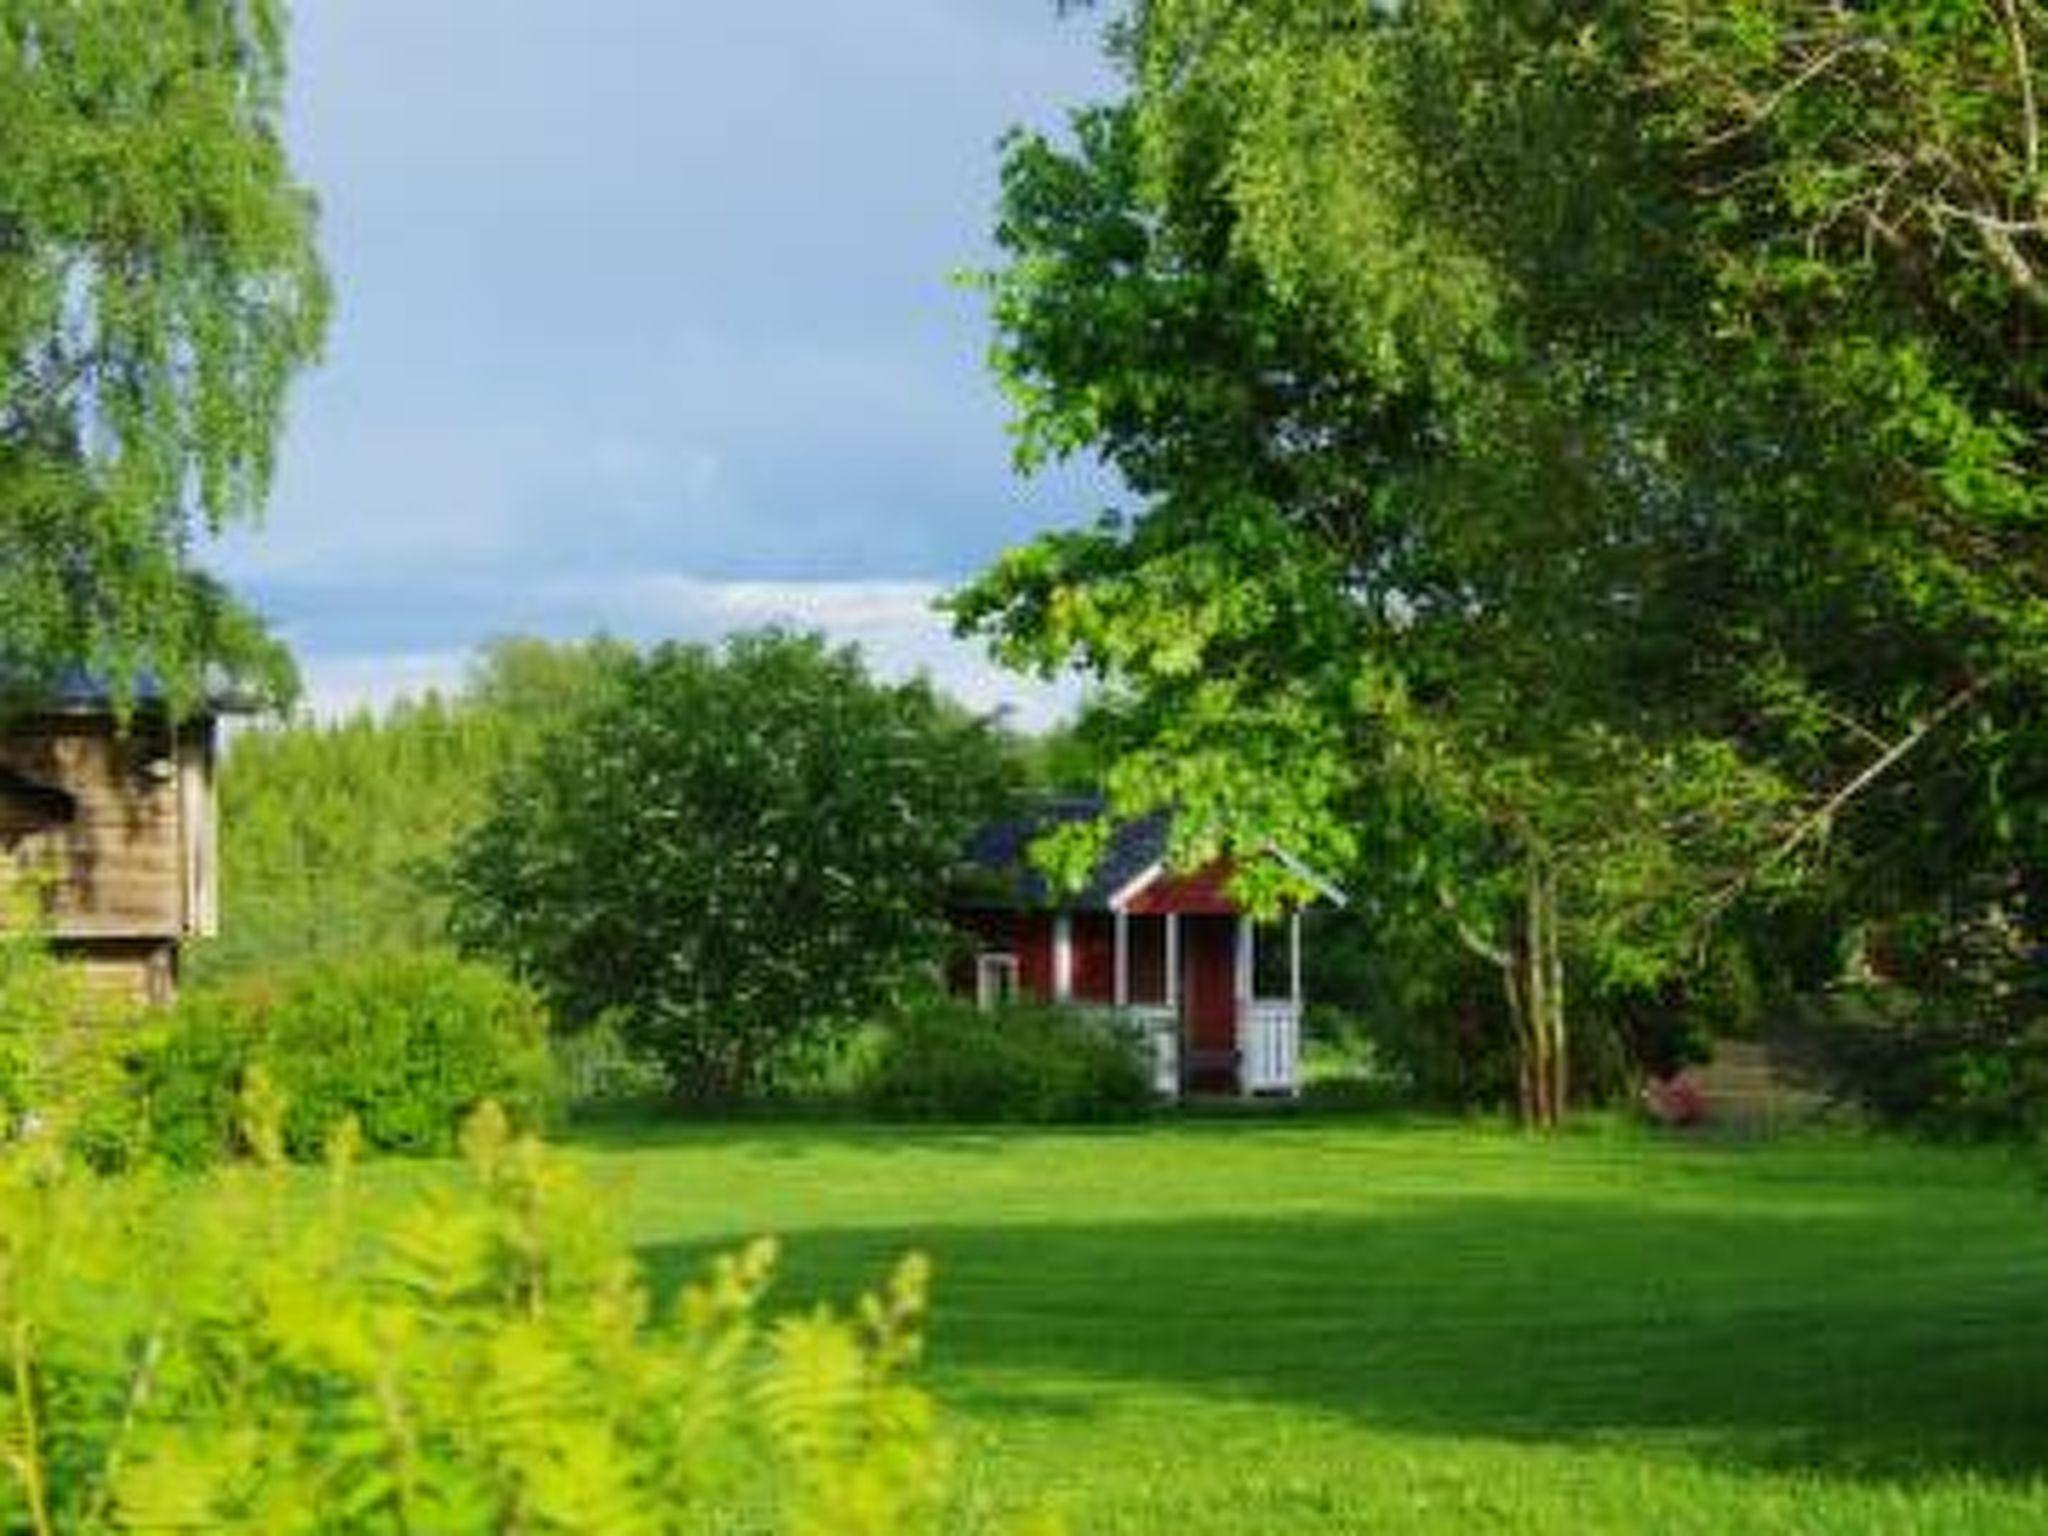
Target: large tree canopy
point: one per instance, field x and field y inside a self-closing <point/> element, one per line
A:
<point x="158" y="289"/>
<point x="1510" y="510"/>
<point x="733" y="854"/>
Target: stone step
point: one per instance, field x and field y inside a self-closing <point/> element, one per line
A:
<point x="1743" y="1086"/>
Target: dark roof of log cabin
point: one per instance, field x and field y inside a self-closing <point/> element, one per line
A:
<point x="78" y="691"/>
<point x="1000" y="873"/>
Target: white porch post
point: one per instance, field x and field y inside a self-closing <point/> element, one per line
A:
<point x="1294" y="959"/>
<point x="1062" y="958"/>
<point x="1294" y="997"/>
<point x="1123" y="958"/>
<point x="1247" y="1026"/>
<point x="1173" y="961"/>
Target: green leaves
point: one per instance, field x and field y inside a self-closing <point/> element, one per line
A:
<point x="230" y="1355"/>
<point x="402" y="1046"/>
<point x="1572" y="443"/>
<point x="158" y="291"/>
<point x="734" y="854"/>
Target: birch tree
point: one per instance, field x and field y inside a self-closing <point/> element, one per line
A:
<point x="159" y="288"/>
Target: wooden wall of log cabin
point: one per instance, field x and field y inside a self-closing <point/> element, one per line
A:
<point x="199" y="828"/>
<point x="118" y="865"/>
<point x="125" y="972"/>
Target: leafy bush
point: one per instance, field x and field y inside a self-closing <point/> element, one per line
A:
<point x="1913" y="1063"/>
<point x="230" y="1356"/>
<point x="1939" y="1023"/>
<point x="405" y="1044"/>
<point x="63" y="1050"/>
<point x="189" y="1074"/>
<point x="951" y="1061"/>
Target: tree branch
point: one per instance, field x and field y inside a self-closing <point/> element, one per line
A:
<point x="1762" y="111"/>
<point x="1471" y="937"/>
<point x="1997" y="235"/>
<point x="2030" y="114"/>
<point x="1819" y="818"/>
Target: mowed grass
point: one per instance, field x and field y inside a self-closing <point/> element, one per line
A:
<point x="1273" y="1327"/>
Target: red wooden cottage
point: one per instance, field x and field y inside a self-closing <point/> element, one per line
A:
<point x="1217" y="995"/>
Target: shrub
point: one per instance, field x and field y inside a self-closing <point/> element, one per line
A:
<point x="1923" y="1063"/>
<point x="1937" y="1021"/>
<point x="189" y="1073"/>
<point x="951" y="1061"/>
<point x="63" y="1050"/>
<point x="405" y="1044"/>
<point x="230" y="1356"/>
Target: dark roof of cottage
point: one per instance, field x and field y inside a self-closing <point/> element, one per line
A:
<point x="999" y="857"/>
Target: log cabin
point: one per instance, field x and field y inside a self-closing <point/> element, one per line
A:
<point x="1216" y="996"/>
<point x="114" y="821"/>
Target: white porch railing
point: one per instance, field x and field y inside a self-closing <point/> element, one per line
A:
<point x="1269" y="1047"/>
<point x="1159" y="1027"/>
<point x="1268" y="1044"/>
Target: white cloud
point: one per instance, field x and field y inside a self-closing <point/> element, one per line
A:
<point x="895" y="623"/>
<point x="338" y="686"/>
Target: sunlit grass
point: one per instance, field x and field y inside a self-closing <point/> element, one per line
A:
<point x="1241" y="1327"/>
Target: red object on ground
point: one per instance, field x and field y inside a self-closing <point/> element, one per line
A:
<point x="1675" y="1100"/>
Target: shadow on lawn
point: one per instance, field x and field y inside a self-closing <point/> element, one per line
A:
<point x="1876" y="1344"/>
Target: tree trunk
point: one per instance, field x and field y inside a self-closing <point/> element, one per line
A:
<point x="1553" y="959"/>
<point x="1514" y="978"/>
<point x="1531" y="966"/>
<point x="1533" y="975"/>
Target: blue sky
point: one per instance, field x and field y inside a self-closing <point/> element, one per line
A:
<point x="646" y="324"/>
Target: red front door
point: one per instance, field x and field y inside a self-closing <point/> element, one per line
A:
<point x="1209" y="989"/>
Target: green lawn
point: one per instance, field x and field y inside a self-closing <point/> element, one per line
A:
<point x="1251" y="1327"/>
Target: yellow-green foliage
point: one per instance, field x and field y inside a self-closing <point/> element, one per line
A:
<point x="407" y="1043"/>
<point x="31" y="1001"/>
<point x="256" y="1354"/>
<point x="327" y="829"/>
<point x="62" y="1050"/>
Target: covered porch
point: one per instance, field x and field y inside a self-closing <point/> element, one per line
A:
<point x="1216" y="997"/>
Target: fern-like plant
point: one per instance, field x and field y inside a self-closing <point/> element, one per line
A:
<point x="251" y="1353"/>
